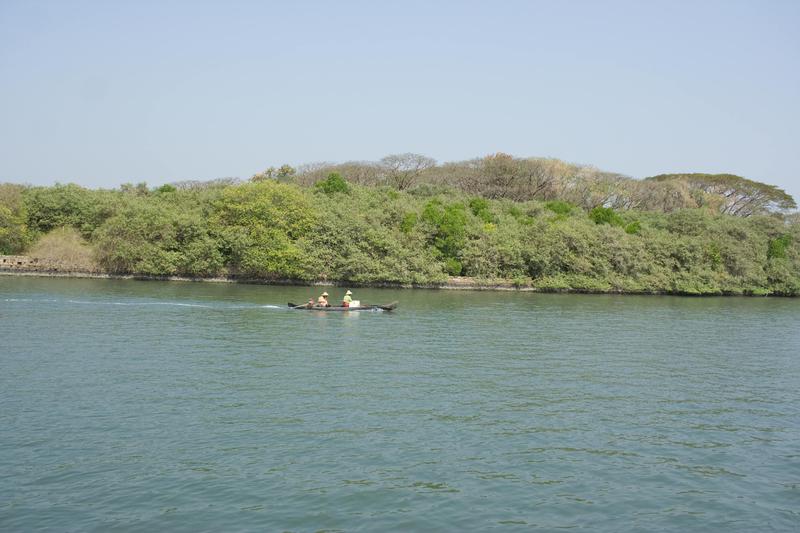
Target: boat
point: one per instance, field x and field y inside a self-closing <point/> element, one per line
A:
<point x="388" y="307"/>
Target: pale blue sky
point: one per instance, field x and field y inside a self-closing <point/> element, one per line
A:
<point x="100" y="93"/>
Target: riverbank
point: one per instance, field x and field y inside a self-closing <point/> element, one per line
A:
<point x="375" y="237"/>
<point x="39" y="269"/>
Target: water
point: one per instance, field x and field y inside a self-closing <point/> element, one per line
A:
<point x="149" y="406"/>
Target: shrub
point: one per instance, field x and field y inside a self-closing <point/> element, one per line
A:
<point x="480" y="208"/>
<point x="605" y="215"/>
<point x="450" y="226"/>
<point x="776" y="248"/>
<point x="333" y="184"/>
<point x="559" y="207"/>
<point x="14" y="233"/>
<point x="408" y="223"/>
<point x="452" y="266"/>
<point x="520" y="281"/>
<point x="160" y="239"/>
<point x="65" y="246"/>
<point x="633" y="228"/>
<point x="714" y="255"/>
<point x="260" y="224"/>
<point x="355" y="240"/>
<point x="166" y="188"/>
<point x="65" y="205"/>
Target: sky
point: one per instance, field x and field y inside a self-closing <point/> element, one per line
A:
<point x="102" y="93"/>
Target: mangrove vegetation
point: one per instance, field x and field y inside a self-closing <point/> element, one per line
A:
<point x="533" y="222"/>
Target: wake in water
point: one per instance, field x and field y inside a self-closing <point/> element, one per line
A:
<point x="219" y="306"/>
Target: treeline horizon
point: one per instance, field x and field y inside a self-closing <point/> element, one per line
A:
<point x="538" y="222"/>
<point x="503" y="176"/>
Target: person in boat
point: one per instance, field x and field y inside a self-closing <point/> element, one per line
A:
<point x="322" y="301"/>
<point x="348" y="298"/>
<point x="310" y="302"/>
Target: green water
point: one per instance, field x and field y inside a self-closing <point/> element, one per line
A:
<point x="152" y="406"/>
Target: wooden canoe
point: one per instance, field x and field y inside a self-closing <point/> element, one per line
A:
<point x="388" y="307"/>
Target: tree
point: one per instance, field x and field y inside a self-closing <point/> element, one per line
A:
<point x="264" y="175"/>
<point x="68" y="205"/>
<point x="157" y="237"/>
<point x="498" y="173"/>
<point x="649" y="195"/>
<point x="543" y="178"/>
<point x="260" y="224"/>
<point x="736" y="195"/>
<point x="357" y="172"/>
<point x="403" y="170"/>
<point x="285" y="173"/>
<point x="197" y="185"/>
<point x="589" y="187"/>
<point x="14" y="234"/>
<point x="165" y="189"/>
<point x="448" y="225"/>
<point x="333" y="184"/>
<point x="140" y="189"/>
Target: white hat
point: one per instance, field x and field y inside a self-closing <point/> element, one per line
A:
<point x="324" y="293"/>
<point x="348" y="292"/>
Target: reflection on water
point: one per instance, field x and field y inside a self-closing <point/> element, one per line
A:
<point x="179" y="406"/>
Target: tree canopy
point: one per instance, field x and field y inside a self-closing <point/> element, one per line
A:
<point x="733" y="195"/>
<point x="540" y="222"/>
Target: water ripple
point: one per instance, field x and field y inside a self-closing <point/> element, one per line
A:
<point x="193" y="407"/>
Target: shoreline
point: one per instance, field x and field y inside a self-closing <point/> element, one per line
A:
<point x="453" y="283"/>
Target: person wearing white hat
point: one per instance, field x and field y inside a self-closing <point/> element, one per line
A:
<point x="322" y="301"/>
<point x="348" y="297"/>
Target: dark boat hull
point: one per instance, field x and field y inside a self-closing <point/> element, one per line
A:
<point x="389" y="307"/>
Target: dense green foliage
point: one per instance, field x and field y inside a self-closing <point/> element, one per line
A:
<point x="338" y="230"/>
<point x="332" y="184"/>
<point x="777" y="247"/>
<point x="448" y="231"/>
<point x="261" y="227"/>
<point x="605" y="215"/>
<point x="14" y="233"/>
<point x="559" y="207"/>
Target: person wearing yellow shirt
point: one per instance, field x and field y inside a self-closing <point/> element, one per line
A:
<point x="348" y="298"/>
